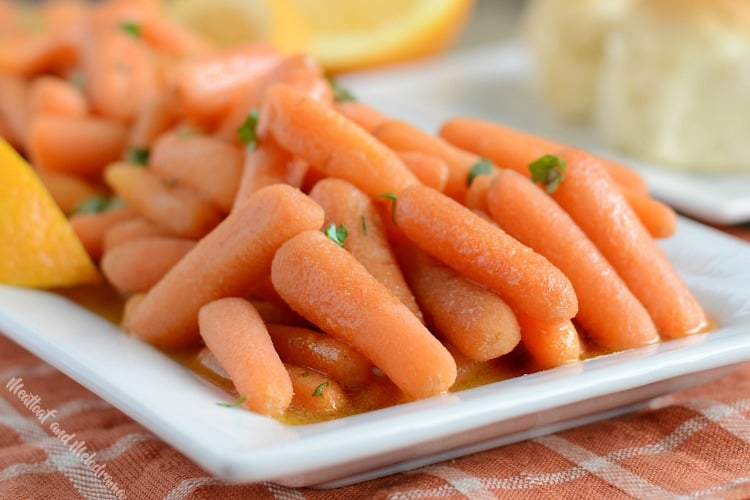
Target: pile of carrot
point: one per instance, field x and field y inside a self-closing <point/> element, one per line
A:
<point x="327" y="257"/>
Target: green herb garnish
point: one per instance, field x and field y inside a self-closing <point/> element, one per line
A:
<point x="340" y="94"/>
<point x="236" y="402"/>
<point x="138" y="156"/>
<point x="96" y="204"/>
<point x="319" y="390"/>
<point x="337" y="233"/>
<point x="248" y="130"/>
<point x="393" y="198"/>
<point x="364" y="225"/>
<point x="169" y="182"/>
<point x="548" y="171"/>
<point x="131" y="28"/>
<point x="482" y="167"/>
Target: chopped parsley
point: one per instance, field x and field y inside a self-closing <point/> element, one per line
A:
<point x="319" y="390"/>
<point x="340" y="94"/>
<point x="138" y="156"/>
<point x="131" y="28"/>
<point x="481" y="167"/>
<point x="337" y="234"/>
<point x="248" y="130"/>
<point x="393" y="198"/>
<point x="548" y="171"/>
<point x="96" y="204"/>
<point x="364" y="225"/>
<point x="236" y="402"/>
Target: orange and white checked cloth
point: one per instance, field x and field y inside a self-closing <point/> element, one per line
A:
<point x="693" y="444"/>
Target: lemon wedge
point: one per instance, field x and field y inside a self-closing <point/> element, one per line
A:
<point x="351" y="34"/>
<point x="227" y="22"/>
<point x="39" y="247"/>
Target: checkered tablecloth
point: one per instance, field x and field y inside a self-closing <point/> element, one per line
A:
<point x="693" y="444"/>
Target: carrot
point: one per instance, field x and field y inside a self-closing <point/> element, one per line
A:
<point x="235" y="334"/>
<point x="130" y="230"/>
<point x="469" y="316"/>
<point x="136" y="266"/>
<point x="331" y="143"/>
<point x="14" y="114"/>
<point x="347" y="206"/>
<point x="550" y="343"/>
<point x="300" y="71"/>
<point x="68" y="190"/>
<point x="403" y="136"/>
<point x="227" y="262"/>
<point x="321" y="352"/>
<point x="430" y="170"/>
<point x="481" y="251"/>
<point x="208" y="166"/>
<point x="75" y="145"/>
<point x="274" y="313"/>
<point x="476" y="195"/>
<point x="593" y="201"/>
<point x="607" y="310"/>
<point x="265" y="165"/>
<point x="325" y="284"/>
<point x="168" y="37"/>
<point x="660" y="219"/>
<point x="173" y="208"/>
<point x="208" y="85"/>
<point x="314" y="393"/>
<point x="156" y="115"/>
<point x="360" y="113"/>
<point x="91" y="227"/>
<point x="510" y="148"/>
<point x="54" y="96"/>
<point x="31" y="54"/>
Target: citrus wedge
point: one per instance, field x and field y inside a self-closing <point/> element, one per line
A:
<point x="349" y="34"/>
<point x="38" y="247"/>
<point x="227" y="22"/>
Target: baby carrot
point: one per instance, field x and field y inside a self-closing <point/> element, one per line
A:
<point x="31" y="54"/>
<point x="481" y="251"/>
<point x="607" y="310"/>
<point x="588" y="194"/>
<point x="550" y="343"/>
<point x="275" y="313"/>
<point x="469" y="316"/>
<point x="510" y="148"/>
<point x="660" y="219"/>
<point x="130" y="230"/>
<point x="331" y="143"/>
<point x="14" y="115"/>
<point x="173" y="208"/>
<point x="403" y="136"/>
<point x="155" y="116"/>
<point x="347" y="206"/>
<point x="227" y="262"/>
<point x="430" y="170"/>
<point x="207" y="165"/>
<point x="325" y="284"/>
<point x="235" y="334"/>
<point x="360" y="113"/>
<point x="321" y="352"/>
<point x="54" y="96"/>
<point x="476" y="195"/>
<point x="136" y="266"/>
<point x="75" y="145"/>
<point x="91" y="227"/>
<point x="68" y="190"/>
<point x="315" y="393"/>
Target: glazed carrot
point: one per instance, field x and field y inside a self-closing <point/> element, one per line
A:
<point x="274" y="313"/>
<point x="168" y="37"/>
<point x="14" y="115"/>
<point x="660" y="219"/>
<point x="403" y="136"/>
<point x="120" y="74"/>
<point x="331" y="142"/>
<point x="593" y="201"/>
<point x="510" y="148"/>
<point x="550" y="343"/>
<point x="360" y="113"/>
<point x="300" y="71"/>
<point x="321" y="352"/>
<point x="208" y="85"/>
<point x="469" y="316"/>
<point x="314" y="393"/>
<point x="235" y="334"/>
<point x="347" y="206"/>
<point x="130" y="230"/>
<point x="208" y="166"/>
<point x="91" y="227"/>
<point x="227" y="262"/>
<point x="607" y="310"/>
<point x="68" y="190"/>
<point x="430" y="170"/>
<point x="156" y="115"/>
<point x="325" y="284"/>
<point x="476" y="195"/>
<point x="136" y="266"/>
<point x="31" y="54"/>
<point x="263" y="289"/>
<point x="54" y="96"/>
<point x="265" y="165"/>
<point x="173" y="208"/>
<point x="75" y="145"/>
<point x="481" y="251"/>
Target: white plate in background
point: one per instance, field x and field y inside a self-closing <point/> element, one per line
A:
<point x="493" y="82"/>
<point x="239" y="446"/>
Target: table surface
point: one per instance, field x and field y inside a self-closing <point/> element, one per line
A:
<point x="694" y="443"/>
